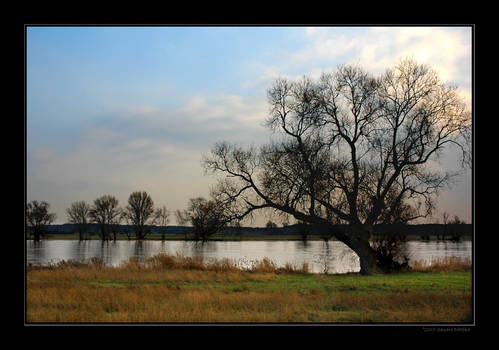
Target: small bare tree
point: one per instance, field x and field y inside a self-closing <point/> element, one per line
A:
<point x="115" y="223"/>
<point x="270" y="224"/>
<point x="445" y="221"/>
<point x="162" y="218"/>
<point x="207" y="217"/>
<point x="127" y="230"/>
<point x="140" y="211"/>
<point x="182" y="220"/>
<point x="78" y="214"/>
<point x="455" y="228"/>
<point x="38" y="218"/>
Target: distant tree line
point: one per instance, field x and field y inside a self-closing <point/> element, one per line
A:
<point x="139" y="213"/>
<point x="138" y="217"/>
<point x="450" y="229"/>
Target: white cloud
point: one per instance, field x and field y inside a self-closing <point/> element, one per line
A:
<point x="446" y="49"/>
<point x="312" y="31"/>
<point x="379" y="48"/>
<point x="325" y="47"/>
<point x="261" y="75"/>
<point x="440" y="47"/>
<point x="225" y="111"/>
<point x="233" y="107"/>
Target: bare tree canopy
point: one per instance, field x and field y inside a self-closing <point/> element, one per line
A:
<point x="38" y="218"/>
<point x="206" y="216"/>
<point x="106" y="213"/>
<point x="78" y="214"/>
<point x="349" y="148"/>
<point x="139" y="212"/>
<point x="162" y="218"/>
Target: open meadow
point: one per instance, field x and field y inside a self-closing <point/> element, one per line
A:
<point x="178" y="289"/>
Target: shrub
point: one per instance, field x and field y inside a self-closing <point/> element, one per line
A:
<point x="391" y="251"/>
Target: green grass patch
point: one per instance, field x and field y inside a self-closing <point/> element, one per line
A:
<point x="307" y="283"/>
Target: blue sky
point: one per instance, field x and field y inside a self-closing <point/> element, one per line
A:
<point x="111" y="110"/>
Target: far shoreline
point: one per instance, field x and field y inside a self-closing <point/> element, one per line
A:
<point x="259" y="237"/>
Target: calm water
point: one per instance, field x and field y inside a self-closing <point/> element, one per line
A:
<point x="334" y="257"/>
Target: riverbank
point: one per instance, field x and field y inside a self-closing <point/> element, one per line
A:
<point x="172" y="289"/>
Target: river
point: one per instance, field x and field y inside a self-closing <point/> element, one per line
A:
<point x="334" y="257"/>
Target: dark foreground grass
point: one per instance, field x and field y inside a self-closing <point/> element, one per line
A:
<point x="171" y="289"/>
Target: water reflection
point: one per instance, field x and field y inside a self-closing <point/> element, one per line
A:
<point x="336" y="257"/>
<point x="139" y="250"/>
<point x="324" y="258"/>
<point x="432" y="250"/>
<point x="302" y="245"/>
<point x="321" y="257"/>
<point x="36" y="250"/>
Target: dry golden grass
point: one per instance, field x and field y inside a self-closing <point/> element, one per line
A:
<point x="446" y="264"/>
<point x="176" y="289"/>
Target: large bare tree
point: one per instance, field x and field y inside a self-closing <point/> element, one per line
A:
<point x="348" y="148"/>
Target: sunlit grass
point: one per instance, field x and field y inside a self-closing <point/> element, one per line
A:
<point x="189" y="290"/>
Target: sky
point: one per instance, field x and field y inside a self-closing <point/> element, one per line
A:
<point x="113" y="110"/>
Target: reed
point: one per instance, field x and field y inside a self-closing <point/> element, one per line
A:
<point x="445" y="264"/>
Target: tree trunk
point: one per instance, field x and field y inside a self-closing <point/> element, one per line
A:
<point x="104" y="232"/>
<point x="357" y="239"/>
<point x="367" y="257"/>
<point x="139" y="234"/>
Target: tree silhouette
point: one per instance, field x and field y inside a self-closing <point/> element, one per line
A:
<point x="38" y="218"/>
<point x="207" y="217"/>
<point x="270" y="224"/>
<point x="78" y="214"/>
<point x="162" y="218"/>
<point x="106" y="213"/>
<point x="139" y="211"/>
<point x="349" y="148"/>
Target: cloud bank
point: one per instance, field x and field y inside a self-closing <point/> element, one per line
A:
<point x="145" y="148"/>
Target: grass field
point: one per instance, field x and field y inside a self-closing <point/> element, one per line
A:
<point x="171" y="289"/>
